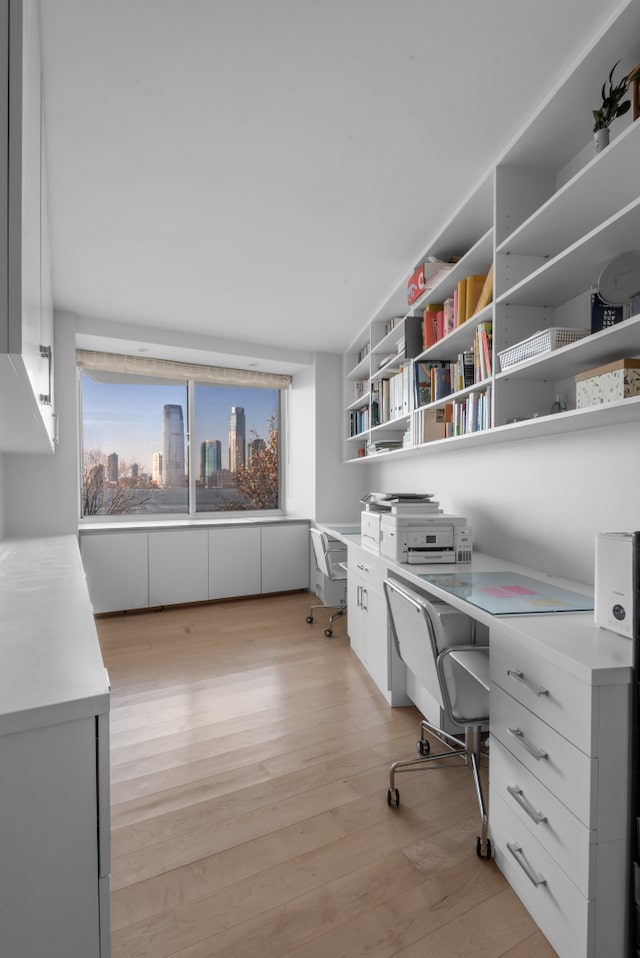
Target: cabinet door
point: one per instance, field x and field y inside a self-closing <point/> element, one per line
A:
<point x="49" y="863"/>
<point x="115" y="564"/>
<point x="376" y="639"/>
<point x="26" y="372"/>
<point x="178" y="566"/>
<point x="356" y="616"/>
<point x="234" y="562"/>
<point x="285" y="557"/>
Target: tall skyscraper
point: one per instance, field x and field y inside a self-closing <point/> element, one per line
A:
<point x="173" y="446"/>
<point x="210" y="460"/>
<point x="156" y="468"/>
<point x="112" y="467"/>
<point x="256" y="445"/>
<point x="237" y="435"/>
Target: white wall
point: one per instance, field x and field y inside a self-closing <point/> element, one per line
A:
<point x="539" y="502"/>
<point x="41" y="491"/>
<point x="2" y="506"/>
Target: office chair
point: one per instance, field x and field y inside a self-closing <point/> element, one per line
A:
<point x="427" y="636"/>
<point x="330" y="558"/>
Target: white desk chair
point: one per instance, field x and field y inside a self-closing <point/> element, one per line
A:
<point x="330" y="556"/>
<point x="457" y="677"/>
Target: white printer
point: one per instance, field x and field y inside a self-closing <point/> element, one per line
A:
<point x="411" y="528"/>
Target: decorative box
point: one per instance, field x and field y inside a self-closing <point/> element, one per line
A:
<point x="617" y="380"/>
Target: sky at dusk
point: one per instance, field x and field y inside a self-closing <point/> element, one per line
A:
<point x="127" y="419"/>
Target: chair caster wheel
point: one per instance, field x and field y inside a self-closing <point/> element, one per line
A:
<point x="423" y="747"/>
<point x="309" y="619"/>
<point x="393" y="797"/>
<point x="328" y="633"/>
<point x="486" y="851"/>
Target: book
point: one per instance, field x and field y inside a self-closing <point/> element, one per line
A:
<point x="468" y="368"/>
<point x="429" y="315"/>
<point x="486" y="293"/>
<point x="461" y="303"/>
<point x="440" y="324"/>
<point x="421" y="383"/>
<point x="474" y="285"/>
<point x="449" y="315"/>
<point x="441" y="383"/>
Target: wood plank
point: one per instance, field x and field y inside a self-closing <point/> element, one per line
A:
<point x="250" y="759"/>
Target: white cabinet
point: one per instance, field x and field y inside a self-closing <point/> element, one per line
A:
<point x="548" y="218"/>
<point x="26" y="326"/>
<point x="138" y="568"/>
<point x="234" y="562"/>
<point x="178" y="566"/>
<point x="367" y="624"/>
<point x="116" y="565"/>
<point x="559" y="778"/>
<point x="54" y="799"/>
<point x="285" y="557"/>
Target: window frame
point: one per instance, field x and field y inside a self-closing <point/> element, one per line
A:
<point x="192" y="515"/>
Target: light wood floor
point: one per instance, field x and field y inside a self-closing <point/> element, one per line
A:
<point x="250" y="761"/>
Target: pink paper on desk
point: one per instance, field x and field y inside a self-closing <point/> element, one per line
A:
<point x="507" y="591"/>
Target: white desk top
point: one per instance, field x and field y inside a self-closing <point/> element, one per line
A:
<point x="571" y="640"/>
<point x="51" y="667"/>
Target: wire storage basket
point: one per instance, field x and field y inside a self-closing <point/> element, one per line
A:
<point x="541" y="342"/>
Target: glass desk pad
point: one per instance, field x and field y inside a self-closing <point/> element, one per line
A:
<point x="347" y="530"/>
<point x="505" y="593"/>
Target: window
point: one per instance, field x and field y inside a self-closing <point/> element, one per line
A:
<point x="173" y="444"/>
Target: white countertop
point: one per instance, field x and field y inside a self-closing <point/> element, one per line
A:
<point x="51" y="667"/>
<point x="571" y="640"/>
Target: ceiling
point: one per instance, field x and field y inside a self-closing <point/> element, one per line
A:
<point x="259" y="175"/>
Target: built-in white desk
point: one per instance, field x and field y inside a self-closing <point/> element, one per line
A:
<point x="560" y="744"/>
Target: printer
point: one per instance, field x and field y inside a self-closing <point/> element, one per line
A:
<point x="411" y="528"/>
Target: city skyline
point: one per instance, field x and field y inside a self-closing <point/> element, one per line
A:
<point x="127" y="418"/>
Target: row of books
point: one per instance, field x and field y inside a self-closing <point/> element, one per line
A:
<point x="457" y="418"/>
<point x="435" y="380"/>
<point x="391" y="398"/>
<point x="471" y="295"/>
<point x="358" y="421"/>
<point x="473" y="413"/>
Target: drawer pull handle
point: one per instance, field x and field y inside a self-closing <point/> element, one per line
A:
<point x="365" y="568"/>
<point x="516" y="793"/>
<point x="534" y="877"/>
<point x="537" y="753"/>
<point x="518" y="675"/>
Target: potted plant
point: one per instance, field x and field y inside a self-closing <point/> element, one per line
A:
<point x="613" y="106"/>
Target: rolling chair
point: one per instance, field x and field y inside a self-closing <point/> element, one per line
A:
<point x="330" y="558"/>
<point x="427" y="636"/>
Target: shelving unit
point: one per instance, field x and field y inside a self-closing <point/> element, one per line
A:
<point x="549" y="216"/>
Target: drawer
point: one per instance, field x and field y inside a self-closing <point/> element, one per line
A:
<point x="563" y="914"/>
<point x="570" y="843"/>
<point x="560" y="699"/>
<point x="371" y="568"/>
<point x="559" y="765"/>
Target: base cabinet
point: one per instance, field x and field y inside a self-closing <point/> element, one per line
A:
<point x="178" y="567"/>
<point x="234" y="562"/>
<point x="368" y="624"/>
<point x="116" y="565"/>
<point x="559" y="783"/>
<point x="54" y="757"/>
<point x="142" y="568"/>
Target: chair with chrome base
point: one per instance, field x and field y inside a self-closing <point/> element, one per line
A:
<point x="330" y="556"/>
<point x="455" y="674"/>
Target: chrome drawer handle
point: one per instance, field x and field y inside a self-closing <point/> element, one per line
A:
<point x="537" y="753"/>
<point x="535" y="877"/>
<point x="516" y="792"/>
<point x="518" y="675"/>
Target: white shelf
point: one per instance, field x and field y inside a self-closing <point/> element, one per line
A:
<point x="550" y="216"/>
